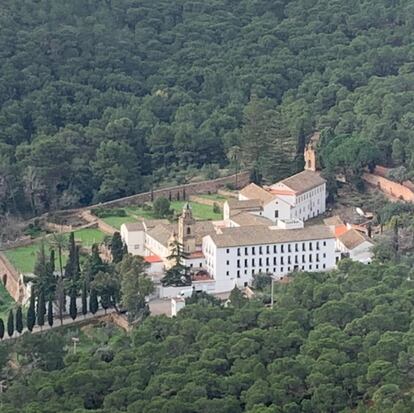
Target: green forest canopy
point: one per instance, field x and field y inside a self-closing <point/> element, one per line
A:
<point x="100" y="99"/>
<point x="335" y="342"/>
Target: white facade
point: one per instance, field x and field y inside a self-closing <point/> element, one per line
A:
<point x="134" y="238"/>
<point x="362" y="252"/>
<point x="303" y="206"/>
<point x="237" y="265"/>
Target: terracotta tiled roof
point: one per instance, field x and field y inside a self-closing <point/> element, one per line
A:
<point x="352" y="238"/>
<point x="134" y="226"/>
<point x="253" y="191"/>
<point x="249" y="204"/>
<point x="247" y="219"/>
<point x="260" y="234"/>
<point x="303" y="181"/>
<point x="335" y="220"/>
<point x="152" y="259"/>
<point x="340" y="229"/>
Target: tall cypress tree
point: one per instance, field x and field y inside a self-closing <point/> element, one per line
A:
<point x="31" y="315"/>
<point x="60" y="296"/>
<point x="52" y="260"/>
<point x="117" y="249"/>
<point x="84" y="299"/>
<point x="41" y="309"/>
<point x="93" y="302"/>
<point x="73" y="310"/>
<point x="1" y="329"/>
<point x="10" y="323"/>
<point x="19" y="319"/>
<point x="70" y="268"/>
<point x="50" y="313"/>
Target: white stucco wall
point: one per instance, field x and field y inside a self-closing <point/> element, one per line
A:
<point x="134" y="240"/>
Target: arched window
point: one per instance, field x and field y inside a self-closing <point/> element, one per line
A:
<point x="188" y="230"/>
<point x="309" y="163"/>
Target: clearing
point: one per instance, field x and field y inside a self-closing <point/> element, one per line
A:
<point x="133" y="214"/>
<point x="24" y="258"/>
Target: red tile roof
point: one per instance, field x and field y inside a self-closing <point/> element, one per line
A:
<point x="152" y="259"/>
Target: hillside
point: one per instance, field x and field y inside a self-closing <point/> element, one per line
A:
<point x="101" y="99"/>
<point x="335" y="342"/>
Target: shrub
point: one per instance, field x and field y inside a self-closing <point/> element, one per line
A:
<point x="109" y="212"/>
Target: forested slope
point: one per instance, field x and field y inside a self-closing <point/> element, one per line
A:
<point x="335" y="342"/>
<point x="100" y="98"/>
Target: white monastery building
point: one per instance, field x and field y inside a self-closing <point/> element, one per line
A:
<point x="262" y="231"/>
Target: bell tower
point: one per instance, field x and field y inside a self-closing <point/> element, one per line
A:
<point x="310" y="153"/>
<point x="186" y="227"/>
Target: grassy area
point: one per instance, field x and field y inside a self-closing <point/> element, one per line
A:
<point x="24" y="258"/>
<point x="202" y="212"/>
<point x="6" y="302"/>
<point x="214" y="197"/>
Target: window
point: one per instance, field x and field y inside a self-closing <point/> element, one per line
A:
<point x="276" y="214"/>
<point x="253" y="263"/>
<point x="324" y="265"/>
<point x="303" y="258"/>
<point x="289" y="250"/>
<point x="310" y="246"/>
<point x="282" y="248"/>
<point x="246" y="251"/>
<point x="303" y="246"/>
<point x="260" y="261"/>
<point x="274" y="249"/>
<point x="238" y="263"/>
<point x="267" y="249"/>
<point x="281" y="260"/>
<point x="188" y="230"/>
<point x="310" y="257"/>
<point x="317" y="266"/>
<point x="281" y="269"/>
<point x="227" y="262"/>
<point x="201" y="264"/>
<point x="191" y="265"/>
<point x="289" y="259"/>
<point x="227" y="250"/>
<point x="245" y="263"/>
<point x="317" y="257"/>
<point x="310" y="267"/>
<point x="253" y="250"/>
<point x="260" y="250"/>
<point x="324" y="255"/>
<point x="227" y="273"/>
<point x="296" y="259"/>
<point x="317" y="245"/>
<point x="296" y="247"/>
<point x="238" y="252"/>
<point x="324" y="243"/>
<point x="238" y="273"/>
<point x="267" y="260"/>
<point x="274" y="260"/>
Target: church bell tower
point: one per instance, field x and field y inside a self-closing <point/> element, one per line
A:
<point x="186" y="227"/>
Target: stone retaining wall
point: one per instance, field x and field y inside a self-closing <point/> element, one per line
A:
<point x="394" y="189"/>
<point x="182" y="191"/>
<point x="11" y="279"/>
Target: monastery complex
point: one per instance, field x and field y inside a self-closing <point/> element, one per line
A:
<point x="264" y="230"/>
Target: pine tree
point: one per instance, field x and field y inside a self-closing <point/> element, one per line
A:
<point x="1" y="329"/>
<point x="50" y="313"/>
<point x="93" y="302"/>
<point x="237" y="298"/>
<point x="10" y="323"/>
<point x="31" y="315"/>
<point x="84" y="299"/>
<point x="41" y="309"/>
<point x="178" y="275"/>
<point x="117" y="247"/>
<point x="19" y="319"/>
<point x="73" y="310"/>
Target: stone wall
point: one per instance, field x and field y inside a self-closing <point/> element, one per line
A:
<point x="393" y="189"/>
<point x="181" y="191"/>
<point x="11" y="279"/>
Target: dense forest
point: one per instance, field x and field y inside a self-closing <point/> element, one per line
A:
<point x="334" y="342"/>
<point x="100" y="99"/>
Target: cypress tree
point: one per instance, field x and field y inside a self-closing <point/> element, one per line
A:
<point x="169" y="196"/>
<point x="73" y="310"/>
<point x="41" y="309"/>
<point x="117" y="249"/>
<point x="93" y="302"/>
<point x="178" y="195"/>
<point x="105" y="301"/>
<point x="84" y="299"/>
<point x="19" y="319"/>
<point x="184" y="195"/>
<point x="1" y="329"/>
<point x="10" y="323"/>
<point x="52" y="261"/>
<point x="60" y="296"/>
<point x="31" y="315"/>
<point x="50" y="313"/>
<point x="70" y="267"/>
